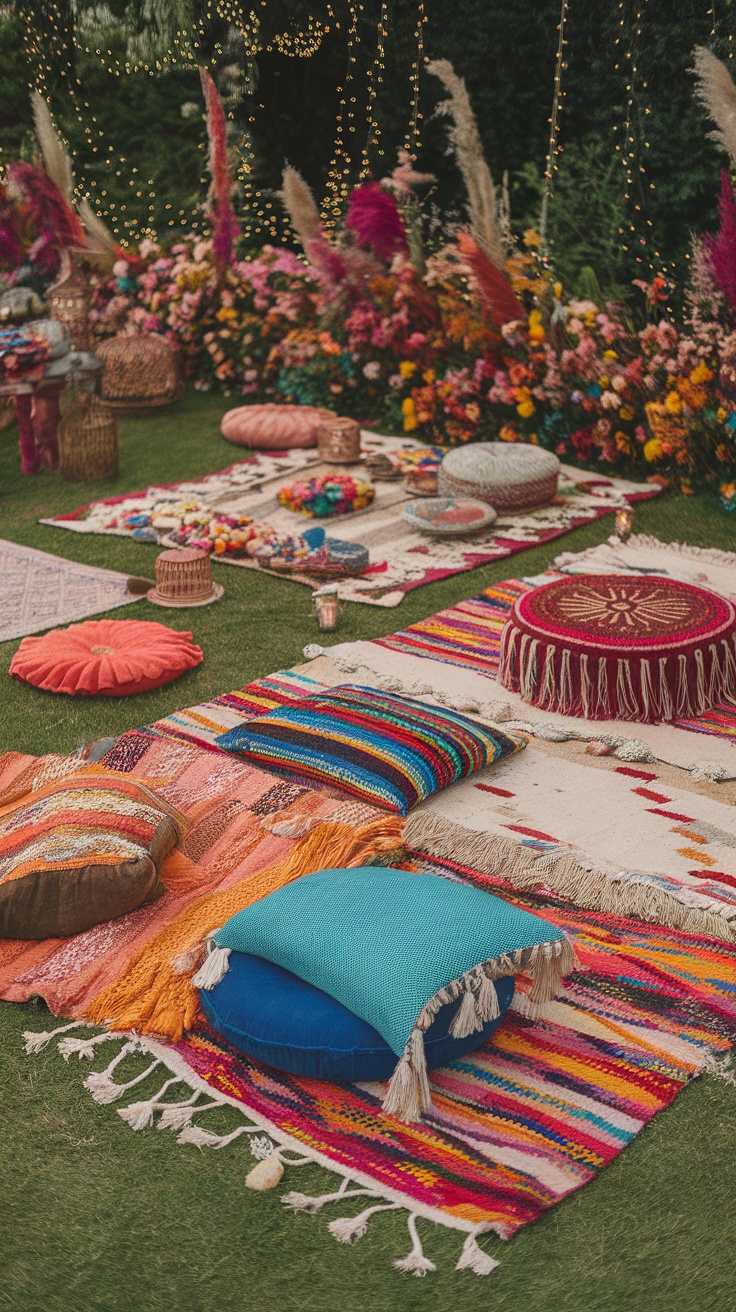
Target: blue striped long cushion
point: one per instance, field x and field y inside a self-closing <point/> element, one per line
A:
<point x="387" y="750"/>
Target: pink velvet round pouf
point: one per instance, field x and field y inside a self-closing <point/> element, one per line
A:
<point x="273" y="427"/>
<point x="613" y="647"/>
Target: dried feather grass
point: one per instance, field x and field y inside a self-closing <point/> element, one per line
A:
<point x="483" y="205"/>
<point x="716" y="92"/>
<point x="56" y="159"/>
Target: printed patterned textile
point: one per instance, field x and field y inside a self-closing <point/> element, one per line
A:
<point x="469" y="636"/>
<point x="40" y="591"/>
<point x="230" y="812"/>
<point x="77" y="851"/>
<point x="400" y="558"/>
<point x="610" y="647"/>
<point x="385" y="750"/>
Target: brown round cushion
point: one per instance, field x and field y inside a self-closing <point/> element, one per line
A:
<point x="610" y="646"/>
<point x="78" y="851"/>
<point x="273" y="427"/>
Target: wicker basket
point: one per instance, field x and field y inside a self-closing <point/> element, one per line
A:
<point x="183" y="578"/>
<point x="338" y="440"/>
<point x="141" y="373"/>
<point x="88" y="441"/>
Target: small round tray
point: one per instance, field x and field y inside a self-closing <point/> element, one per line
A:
<point x="449" y="516"/>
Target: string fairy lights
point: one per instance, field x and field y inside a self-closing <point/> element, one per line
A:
<point x="341" y="164"/>
<point x="117" y="190"/>
<point x="413" y="131"/>
<point x="554" y="148"/>
<point x="375" y="80"/>
<point x="631" y="145"/>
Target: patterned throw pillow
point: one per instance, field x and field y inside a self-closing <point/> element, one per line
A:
<point x="387" y="750"/>
<point x="78" y="851"/>
<point x="395" y="948"/>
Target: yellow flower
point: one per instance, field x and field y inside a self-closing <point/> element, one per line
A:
<point x="536" y="331"/>
<point x="610" y="355"/>
<point x="627" y="412"/>
<point x="721" y="415"/>
<point x="673" y="403"/>
<point x="531" y="238"/>
<point x="653" y="449"/>
<point x="429" y="375"/>
<point x="410" y="415"/>
<point x="226" y="313"/>
<point x="701" y="373"/>
<point x="534" y="439"/>
<point x="526" y="409"/>
<point x="557" y="289"/>
<point x="407" y="368"/>
<point x="508" y="434"/>
<point x="604" y="382"/>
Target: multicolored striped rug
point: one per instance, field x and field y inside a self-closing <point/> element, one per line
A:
<point x="516" y="1126"/>
<point x="468" y="635"/>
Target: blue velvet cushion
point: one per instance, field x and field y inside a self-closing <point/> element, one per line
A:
<point x="279" y="1019"/>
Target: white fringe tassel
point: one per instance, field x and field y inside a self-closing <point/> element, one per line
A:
<point x="271" y="1159"/>
<point x="415" y="1261"/>
<point x="408" y="1093"/>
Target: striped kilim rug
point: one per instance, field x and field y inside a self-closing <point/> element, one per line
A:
<point x="516" y="1126"/>
<point x="468" y="635"/>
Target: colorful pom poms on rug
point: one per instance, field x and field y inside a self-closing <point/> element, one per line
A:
<point x="330" y="494"/>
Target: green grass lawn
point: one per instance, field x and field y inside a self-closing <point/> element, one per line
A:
<point x="99" y="1219"/>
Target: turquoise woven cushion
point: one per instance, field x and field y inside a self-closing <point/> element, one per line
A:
<point x="382" y="941"/>
<point x="386" y="750"/>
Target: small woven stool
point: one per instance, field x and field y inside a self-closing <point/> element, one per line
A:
<point x="88" y="441"/>
<point x="613" y="647"/>
<point x="183" y="578"/>
<point x="338" y="440"/>
<point x="511" y="477"/>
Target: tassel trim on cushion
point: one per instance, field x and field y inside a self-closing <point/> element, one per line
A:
<point x="408" y="1093"/>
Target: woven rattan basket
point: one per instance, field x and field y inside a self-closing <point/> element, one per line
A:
<point x="141" y="373"/>
<point x="88" y="441"/>
<point x="338" y="440"/>
<point x="183" y="578"/>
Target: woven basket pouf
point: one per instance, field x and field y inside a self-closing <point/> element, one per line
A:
<point x="141" y="372"/>
<point x="613" y="647"/>
<point x="183" y="578"/>
<point x="510" y="477"/>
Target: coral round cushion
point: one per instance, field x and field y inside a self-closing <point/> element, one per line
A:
<point x="110" y="658"/>
<point x="272" y="427"/>
<point x="508" y="476"/>
<point x="611" y="646"/>
<point x="272" y="1015"/>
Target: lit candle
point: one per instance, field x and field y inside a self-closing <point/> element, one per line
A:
<point x="624" y="524"/>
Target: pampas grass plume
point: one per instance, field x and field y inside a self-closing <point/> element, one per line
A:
<point x="716" y="91"/>
<point x="465" y="138"/>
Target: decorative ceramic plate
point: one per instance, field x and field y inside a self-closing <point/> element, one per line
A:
<point x="452" y="516"/>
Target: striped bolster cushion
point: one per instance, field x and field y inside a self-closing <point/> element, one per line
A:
<point x="387" y="750"/>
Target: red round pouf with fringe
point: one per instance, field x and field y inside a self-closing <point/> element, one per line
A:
<point x="105" y="658"/>
<point x="614" y="647"/>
